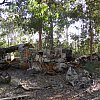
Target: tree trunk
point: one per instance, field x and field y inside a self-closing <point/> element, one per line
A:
<point x="8" y="41"/>
<point x="91" y="39"/>
<point x="3" y="2"/>
<point x="51" y="27"/>
<point x="40" y="39"/>
<point x="66" y="31"/>
<point x="51" y="33"/>
<point x="40" y="28"/>
<point x="78" y="48"/>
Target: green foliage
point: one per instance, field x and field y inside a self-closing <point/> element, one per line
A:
<point x="2" y="43"/>
<point x="93" y="67"/>
<point x="29" y="16"/>
<point x="75" y="37"/>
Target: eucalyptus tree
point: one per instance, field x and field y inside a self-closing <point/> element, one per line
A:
<point x="4" y="2"/>
<point x="19" y="12"/>
<point x="2" y="20"/>
<point x="5" y="28"/>
<point x="41" y="16"/>
<point x="37" y="15"/>
<point x="76" y="40"/>
<point x="47" y="14"/>
<point x="92" y="16"/>
<point x="8" y="25"/>
<point x="89" y="13"/>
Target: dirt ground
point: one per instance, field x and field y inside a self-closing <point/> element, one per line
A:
<point x="46" y="87"/>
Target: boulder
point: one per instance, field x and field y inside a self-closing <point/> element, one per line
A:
<point x="60" y="67"/>
<point x="71" y="76"/>
<point x="4" y="65"/>
<point x="5" y="78"/>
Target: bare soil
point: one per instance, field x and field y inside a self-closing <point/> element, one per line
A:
<point x="46" y="87"/>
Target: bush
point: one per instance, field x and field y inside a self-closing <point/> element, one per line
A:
<point x="93" y="67"/>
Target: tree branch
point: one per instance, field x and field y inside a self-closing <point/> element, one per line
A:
<point x="4" y="1"/>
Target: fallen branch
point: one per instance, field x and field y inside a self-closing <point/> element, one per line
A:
<point x="28" y="88"/>
<point x="20" y="97"/>
<point x="4" y="1"/>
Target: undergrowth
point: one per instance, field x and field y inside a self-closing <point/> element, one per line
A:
<point x="93" y="67"/>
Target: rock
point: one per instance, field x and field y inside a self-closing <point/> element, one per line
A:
<point x="71" y="76"/>
<point x="15" y="83"/>
<point x="85" y="82"/>
<point x="32" y="71"/>
<point x="59" y="60"/>
<point x="60" y="67"/>
<point x="4" y="65"/>
<point x="71" y="83"/>
<point x="37" y="66"/>
<point x="82" y="86"/>
<point x="5" y="78"/>
<point x="86" y="73"/>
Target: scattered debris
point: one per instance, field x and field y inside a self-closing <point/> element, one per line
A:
<point x="41" y="86"/>
<point x="4" y="65"/>
<point x="28" y="86"/>
<point x="61" y="67"/>
<point x="5" y="78"/>
<point x="19" y="97"/>
<point x="71" y="76"/>
<point x="46" y="75"/>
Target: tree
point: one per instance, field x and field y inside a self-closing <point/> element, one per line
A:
<point x="51" y="13"/>
<point x="4" y="1"/>
<point x="88" y="12"/>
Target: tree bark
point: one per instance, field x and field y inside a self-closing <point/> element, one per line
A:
<point x="2" y="2"/>
<point x="66" y="31"/>
<point x="51" y="33"/>
<point x="91" y="39"/>
<point x="40" y="39"/>
<point x="51" y="27"/>
<point x="40" y="34"/>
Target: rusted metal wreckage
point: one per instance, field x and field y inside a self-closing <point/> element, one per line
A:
<point x="47" y="61"/>
<point x="44" y="60"/>
<point x="5" y="54"/>
<point x="6" y="62"/>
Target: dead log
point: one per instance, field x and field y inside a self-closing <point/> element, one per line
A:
<point x="19" y="97"/>
<point x="13" y="48"/>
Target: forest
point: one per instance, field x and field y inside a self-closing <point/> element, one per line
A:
<point x="50" y="20"/>
<point x="56" y="44"/>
